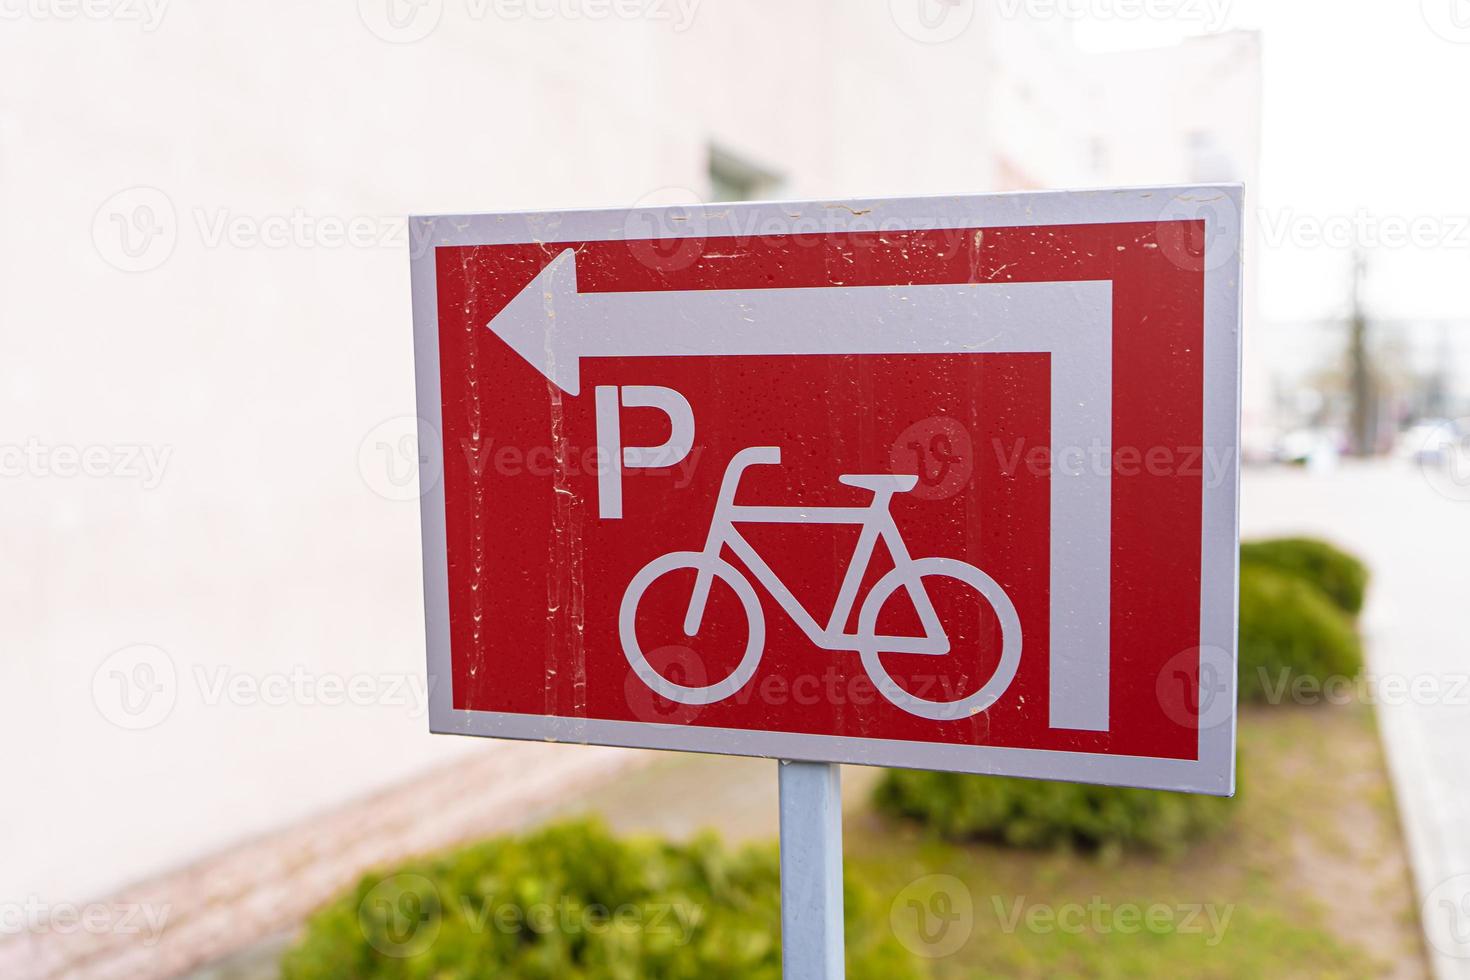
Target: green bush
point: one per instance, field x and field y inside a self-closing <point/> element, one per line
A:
<point x="1041" y="813"/>
<point x="1289" y="629"/>
<point x="1296" y="599"/>
<point x="1339" y="575"/>
<point x="572" y="901"/>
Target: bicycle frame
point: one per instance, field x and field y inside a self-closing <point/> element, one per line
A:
<point x="877" y="523"/>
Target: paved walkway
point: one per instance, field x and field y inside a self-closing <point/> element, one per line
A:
<point x="258" y="892"/>
<point x="1416" y="537"/>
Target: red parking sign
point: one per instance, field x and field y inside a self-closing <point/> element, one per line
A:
<point x="941" y="483"/>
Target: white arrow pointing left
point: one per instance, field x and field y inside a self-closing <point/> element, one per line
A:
<point x="553" y="325"/>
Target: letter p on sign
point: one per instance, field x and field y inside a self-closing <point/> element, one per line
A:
<point x="619" y="457"/>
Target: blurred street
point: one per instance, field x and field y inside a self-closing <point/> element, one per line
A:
<point x="1412" y="527"/>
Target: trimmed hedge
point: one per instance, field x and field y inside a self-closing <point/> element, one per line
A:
<point x="572" y="901"/>
<point x="1297" y="597"/>
<point x="1041" y="813"/>
<point x="1290" y="629"/>
<point x="1340" y="576"/>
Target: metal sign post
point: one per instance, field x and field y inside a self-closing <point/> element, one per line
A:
<point x="811" y="871"/>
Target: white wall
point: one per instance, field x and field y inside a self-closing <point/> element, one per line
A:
<point x="263" y="369"/>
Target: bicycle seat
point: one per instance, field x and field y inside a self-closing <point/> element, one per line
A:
<point x="878" y="482"/>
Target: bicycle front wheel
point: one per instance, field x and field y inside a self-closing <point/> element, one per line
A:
<point x="869" y="644"/>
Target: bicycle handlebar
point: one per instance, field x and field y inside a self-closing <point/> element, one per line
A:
<point x="754" y="456"/>
<point x="750" y="456"/>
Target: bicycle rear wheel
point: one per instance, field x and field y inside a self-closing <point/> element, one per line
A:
<point x="755" y="643"/>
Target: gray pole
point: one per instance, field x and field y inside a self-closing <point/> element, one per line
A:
<point x="1363" y="411"/>
<point x="811" y="871"/>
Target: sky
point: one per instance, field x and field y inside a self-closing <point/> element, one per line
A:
<point x="1364" y="141"/>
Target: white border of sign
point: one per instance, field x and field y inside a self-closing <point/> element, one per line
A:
<point x="1220" y="206"/>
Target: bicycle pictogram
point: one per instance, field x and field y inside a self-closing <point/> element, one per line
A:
<point x="877" y="524"/>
